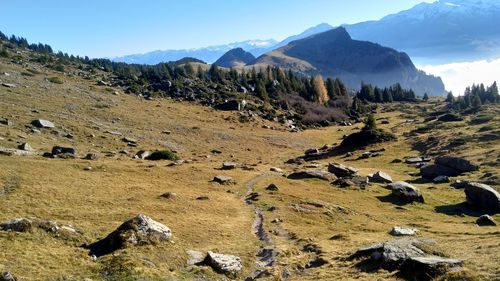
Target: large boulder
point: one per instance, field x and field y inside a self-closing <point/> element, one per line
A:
<point x="41" y="123"/>
<point x="406" y="191"/>
<point x="456" y="163"/>
<point x="380" y="177"/>
<point x="139" y="230"/>
<point x="447" y="166"/>
<point x="341" y="171"/>
<point x="483" y="197"/>
<point x="226" y="264"/>
<point x="311" y="174"/>
<point x="424" y="268"/>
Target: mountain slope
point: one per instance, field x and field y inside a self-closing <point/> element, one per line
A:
<point x="439" y="32"/>
<point x="235" y="57"/>
<point x="322" y="27"/>
<point x="335" y="54"/>
<point x="208" y="54"/>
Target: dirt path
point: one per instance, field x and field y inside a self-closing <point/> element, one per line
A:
<point x="266" y="255"/>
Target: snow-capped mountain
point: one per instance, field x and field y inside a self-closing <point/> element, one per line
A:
<point x="207" y="54"/>
<point x="439" y="32"/>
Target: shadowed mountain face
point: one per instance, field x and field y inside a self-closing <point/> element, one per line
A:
<point x="235" y="57"/>
<point x="335" y="54"/>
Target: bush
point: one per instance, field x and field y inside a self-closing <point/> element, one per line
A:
<point x="366" y="137"/>
<point x="480" y="119"/>
<point x="312" y="113"/>
<point x="55" y="80"/>
<point x="163" y="155"/>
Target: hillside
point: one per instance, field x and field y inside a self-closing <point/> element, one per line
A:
<point x="235" y="58"/>
<point x="302" y="229"/>
<point x="334" y="54"/>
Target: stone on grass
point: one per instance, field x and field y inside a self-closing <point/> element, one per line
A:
<point x="62" y="151"/>
<point x="403" y="231"/>
<point x="225" y="264"/>
<point x="224" y="180"/>
<point x="17" y="225"/>
<point x="169" y="195"/>
<point x="276" y="169"/>
<point x="195" y="257"/>
<point x="311" y="174"/>
<point x="26" y="147"/>
<point x="486" y="220"/>
<point x="7" y="276"/>
<point x="341" y="171"/>
<point x="483" y="197"/>
<point x="272" y="187"/>
<point x="142" y="154"/>
<point x="229" y="165"/>
<point x="406" y="191"/>
<point x="441" y="179"/>
<point x="380" y="177"/>
<point x="41" y="123"/>
<point x="139" y="230"/>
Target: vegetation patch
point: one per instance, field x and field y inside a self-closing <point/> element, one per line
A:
<point x="370" y="134"/>
<point x="163" y="155"/>
<point x="55" y="80"/>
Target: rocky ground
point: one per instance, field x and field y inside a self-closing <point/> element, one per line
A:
<point x="80" y="199"/>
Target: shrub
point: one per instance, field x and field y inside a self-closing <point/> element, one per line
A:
<point x="480" y="119"/>
<point x="55" y="80"/>
<point x="163" y="155"/>
<point x="366" y="137"/>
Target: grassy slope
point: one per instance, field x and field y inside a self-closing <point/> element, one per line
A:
<point x="118" y="187"/>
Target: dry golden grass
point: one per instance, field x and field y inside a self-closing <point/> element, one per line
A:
<point x="119" y="187"/>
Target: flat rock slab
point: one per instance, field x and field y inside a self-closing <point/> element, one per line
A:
<point x="229" y="165"/>
<point x="380" y="177"/>
<point x="41" y="123"/>
<point x="341" y="171"/>
<point x="224" y="180"/>
<point x="195" y="257"/>
<point x="312" y="174"/>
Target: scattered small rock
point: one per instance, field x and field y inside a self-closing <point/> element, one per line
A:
<point x="91" y="156"/>
<point x="225" y="264"/>
<point x="7" y="276"/>
<point x="26" y="147"/>
<point x="169" y="195"/>
<point x="229" y="165"/>
<point x="202" y="198"/>
<point x="276" y="169"/>
<point x="142" y="154"/>
<point x="272" y="187"/>
<point x="59" y="151"/>
<point x="441" y="179"/>
<point x="403" y="231"/>
<point x="311" y="174"/>
<point x="224" y="180"/>
<point x="380" y="177"/>
<point x="341" y="171"/>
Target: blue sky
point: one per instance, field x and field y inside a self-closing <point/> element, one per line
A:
<point x="107" y="28"/>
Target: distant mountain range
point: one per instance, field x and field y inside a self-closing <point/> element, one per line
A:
<point x="335" y="54"/>
<point x="441" y="32"/>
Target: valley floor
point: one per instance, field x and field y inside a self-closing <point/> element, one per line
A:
<point x="335" y="221"/>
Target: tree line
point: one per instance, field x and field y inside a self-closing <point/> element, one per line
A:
<point x="474" y="96"/>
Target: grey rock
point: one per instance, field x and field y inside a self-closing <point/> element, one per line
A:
<point x="224" y="180"/>
<point x="59" y="150"/>
<point x="41" y="123"/>
<point x="6" y="122"/>
<point x="311" y="174"/>
<point x="483" y="197"/>
<point x="311" y="151"/>
<point x="15" y="152"/>
<point x="8" y="85"/>
<point x="428" y="267"/>
<point x="380" y="177"/>
<point x="143" y="154"/>
<point x="17" y="225"/>
<point x="7" y="276"/>
<point x="91" y="156"/>
<point x="229" y="165"/>
<point x="169" y="195"/>
<point x="26" y="147"/>
<point x="415" y="160"/>
<point x="276" y="169"/>
<point x="456" y="163"/>
<point x="441" y="179"/>
<point x="139" y="230"/>
<point x="356" y="181"/>
<point x="406" y="191"/>
<point x="403" y="231"/>
<point x="129" y="140"/>
<point x="341" y="171"/>
<point x="486" y="220"/>
<point x="226" y="264"/>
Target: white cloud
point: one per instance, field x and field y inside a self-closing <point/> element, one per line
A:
<point x="457" y="76"/>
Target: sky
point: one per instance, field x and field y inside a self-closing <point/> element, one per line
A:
<point x="109" y="28"/>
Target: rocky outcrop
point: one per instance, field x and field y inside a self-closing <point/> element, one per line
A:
<point x="139" y="230"/>
<point x="406" y="192"/>
<point x="403" y="231"/>
<point x="225" y="180"/>
<point x="32" y="224"/>
<point x="41" y="123"/>
<point x="482" y="196"/>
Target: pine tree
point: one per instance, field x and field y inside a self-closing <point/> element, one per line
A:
<point x="450" y="98"/>
<point x="476" y="101"/>
<point x="426" y="97"/>
<point x="370" y="123"/>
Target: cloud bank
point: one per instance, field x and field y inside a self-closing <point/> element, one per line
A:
<point x="457" y="76"/>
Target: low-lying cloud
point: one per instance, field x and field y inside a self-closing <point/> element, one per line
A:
<point x="457" y="76"/>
